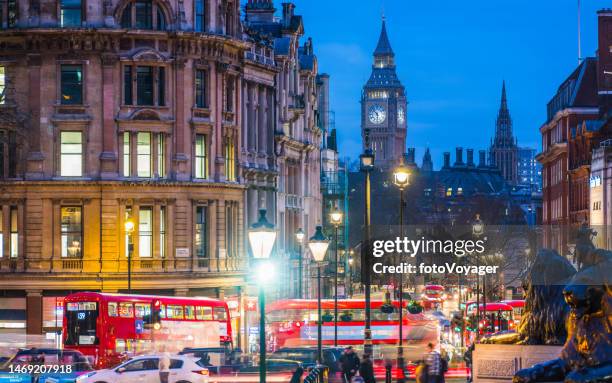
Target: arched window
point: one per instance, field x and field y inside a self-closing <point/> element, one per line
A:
<point x="143" y="14"/>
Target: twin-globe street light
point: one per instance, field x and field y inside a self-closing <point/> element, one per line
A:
<point x="261" y="238"/>
<point x="318" y="245"/>
<point x="336" y="219"/>
<point x="401" y="179"/>
<point x="129" y="227"/>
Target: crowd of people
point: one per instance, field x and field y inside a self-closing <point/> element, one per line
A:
<point x="430" y="369"/>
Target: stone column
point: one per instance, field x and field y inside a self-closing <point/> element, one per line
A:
<point x="261" y="123"/>
<point x="108" y="157"/>
<point x="181" y="157"/>
<point x="34" y="168"/>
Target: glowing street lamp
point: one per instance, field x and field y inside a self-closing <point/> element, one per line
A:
<point x="336" y="220"/>
<point x="261" y="238"/>
<point x="318" y="245"/>
<point x="129" y="230"/>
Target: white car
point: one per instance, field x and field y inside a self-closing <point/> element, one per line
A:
<point x="144" y="369"/>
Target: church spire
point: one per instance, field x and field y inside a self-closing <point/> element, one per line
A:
<point x="503" y="126"/>
<point x="383" y="48"/>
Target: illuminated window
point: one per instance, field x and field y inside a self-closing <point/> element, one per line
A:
<point x="70" y="13"/>
<point x="71" y="84"/>
<point x="204" y="313"/>
<point x="142" y="310"/>
<point x="220" y="313"/>
<point x="71" y="153"/>
<point x="449" y="192"/>
<point x="14" y="244"/>
<point x="162" y="231"/>
<point x="145" y="232"/>
<point x="2" y="85"/>
<point x="230" y="160"/>
<point x="126" y="310"/>
<point x="459" y="191"/>
<point x="72" y="231"/>
<point x="126" y="154"/>
<point x="143" y="163"/>
<point x="201" y="230"/>
<point x="112" y="309"/>
<point x="161" y="155"/>
<point x="201" y="161"/>
<point x="174" y="312"/>
<point x="189" y="312"/>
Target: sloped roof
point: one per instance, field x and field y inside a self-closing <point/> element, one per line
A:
<point x="383" y="48"/>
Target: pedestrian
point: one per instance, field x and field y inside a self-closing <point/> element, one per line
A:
<point x="164" y="367"/>
<point x="434" y="365"/>
<point x="366" y="369"/>
<point x="421" y="372"/>
<point x="350" y="364"/>
<point x="468" y="360"/>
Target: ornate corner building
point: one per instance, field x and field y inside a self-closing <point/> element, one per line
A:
<point x="165" y="113"/>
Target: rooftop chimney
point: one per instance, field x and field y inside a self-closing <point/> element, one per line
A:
<point x="482" y="159"/>
<point x="447" y="159"/>
<point x="287" y="13"/>
<point x="259" y="11"/>
<point x="470" y="157"/>
<point x="459" y="156"/>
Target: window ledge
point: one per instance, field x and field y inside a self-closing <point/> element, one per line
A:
<point x="69" y="178"/>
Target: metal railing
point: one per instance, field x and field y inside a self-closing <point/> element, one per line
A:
<point x="259" y="58"/>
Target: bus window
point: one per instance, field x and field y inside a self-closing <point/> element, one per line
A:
<point x="112" y="309"/>
<point x="220" y="313"/>
<point x="120" y="345"/>
<point x="143" y="310"/>
<point x="174" y="312"/>
<point x="126" y="310"/>
<point x="162" y="313"/>
<point x="189" y="312"/>
<point x="204" y="313"/>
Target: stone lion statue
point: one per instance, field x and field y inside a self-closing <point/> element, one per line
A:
<point x="543" y="284"/>
<point x="586" y="356"/>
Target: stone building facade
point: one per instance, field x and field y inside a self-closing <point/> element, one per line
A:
<point x="294" y="141"/>
<point x="124" y="110"/>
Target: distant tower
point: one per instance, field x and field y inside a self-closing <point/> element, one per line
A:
<point x="383" y="107"/>
<point x="503" y="153"/>
<point x="427" y="165"/>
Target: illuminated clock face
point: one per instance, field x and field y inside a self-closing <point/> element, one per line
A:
<point x="377" y="114"/>
<point x="401" y="116"/>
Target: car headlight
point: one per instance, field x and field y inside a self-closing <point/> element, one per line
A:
<point x="85" y="376"/>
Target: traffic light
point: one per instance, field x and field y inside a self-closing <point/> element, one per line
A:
<point x="457" y="322"/>
<point x="156" y="311"/>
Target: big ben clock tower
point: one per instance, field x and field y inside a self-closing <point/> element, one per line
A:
<point x="383" y="107"/>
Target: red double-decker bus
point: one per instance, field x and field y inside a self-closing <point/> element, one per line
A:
<point x="111" y="327"/>
<point x="294" y="323"/>
<point x="433" y="297"/>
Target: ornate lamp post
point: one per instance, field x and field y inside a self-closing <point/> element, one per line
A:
<point x="336" y="219"/>
<point x="366" y="161"/>
<point x="261" y="238"/>
<point x="318" y="245"/>
<point x="129" y="230"/>
<point x="299" y="235"/>
<point x="477" y="232"/>
<point x="401" y="179"/>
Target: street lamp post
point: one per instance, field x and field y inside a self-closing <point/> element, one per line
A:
<point x="401" y="179"/>
<point x="299" y="235"/>
<point x="261" y="238"/>
<point x="367" y="164"/>
<point x="336" y="220"/>
<point x="477" y="232"/>
<point x="318" y="245"/>
<point x="129" y="230"/>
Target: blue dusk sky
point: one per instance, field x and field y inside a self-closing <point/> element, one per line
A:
<point x="452" y="57"/>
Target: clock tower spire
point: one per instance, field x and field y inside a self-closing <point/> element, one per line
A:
<point x="383" y="106"/>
